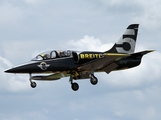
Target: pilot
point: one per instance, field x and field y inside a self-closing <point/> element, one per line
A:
<point x="45" y="56"/>
<point x="60" y="53"/>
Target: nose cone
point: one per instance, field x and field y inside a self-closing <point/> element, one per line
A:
<point x="24" y="68"/>
<point x="15" y="70"/>
<point x="8" y="70"/>
<point x="12" y="70"/>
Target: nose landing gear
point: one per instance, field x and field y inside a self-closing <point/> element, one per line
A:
<point x="32" y="84"/>
<point x="74" y="86"/>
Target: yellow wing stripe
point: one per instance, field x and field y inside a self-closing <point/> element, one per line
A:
<point x="116" y="54"/>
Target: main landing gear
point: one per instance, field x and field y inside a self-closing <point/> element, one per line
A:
<point x="32" y="84"/>
<point x="75" y="86"/>
<point x="93" y="79"/>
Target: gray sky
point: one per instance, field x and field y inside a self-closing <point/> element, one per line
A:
<point x="28" y="27"/>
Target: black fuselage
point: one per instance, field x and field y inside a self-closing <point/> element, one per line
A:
<point x="70" y="63"/>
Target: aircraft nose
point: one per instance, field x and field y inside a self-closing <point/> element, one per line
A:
<point x="29" y="67"/>
<point x="12" y="70"/>
<point x="8" y="71"/>
<point x="23" y="68"/>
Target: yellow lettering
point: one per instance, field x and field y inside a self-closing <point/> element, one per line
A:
<point x="82" y="56"/>
<point x="91" y="56"/>
<point x="96" y="55"/>
<point x="100" y="55"/>
<point x="86" y="56"/>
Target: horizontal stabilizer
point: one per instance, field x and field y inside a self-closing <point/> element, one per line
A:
<point x="142" y="53"/>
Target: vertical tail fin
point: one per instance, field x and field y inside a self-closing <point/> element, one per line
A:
<point x="126" y="44"/>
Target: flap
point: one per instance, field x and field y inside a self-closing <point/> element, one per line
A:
<point x="110" y="67"/>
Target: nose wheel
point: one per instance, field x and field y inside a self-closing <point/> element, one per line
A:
<point x="74" y="86"/>
<point x="32" y="84"/>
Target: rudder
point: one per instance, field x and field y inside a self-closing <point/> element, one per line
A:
<point x="126" y="44"/>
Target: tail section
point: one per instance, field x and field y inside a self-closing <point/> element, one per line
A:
<point x="126" y="44"/>
<point x="141" y="54"/>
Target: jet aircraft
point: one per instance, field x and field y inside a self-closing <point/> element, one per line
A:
<point x="83" y="64"/>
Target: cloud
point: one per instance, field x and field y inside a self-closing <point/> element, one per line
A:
<point x="35" y="2"/>
<point x="143" y="12"/>
<point x="149" y="18"/>
<point x="89" y="43"/>
<point x="9" y="82"/>
<point x="19" y="51"/>
<point x="5" y="61"/>
<point x="10" y="14"/>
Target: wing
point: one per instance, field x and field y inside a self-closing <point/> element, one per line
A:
<point x="55" y="76"/>
<point x="106" y="63"/>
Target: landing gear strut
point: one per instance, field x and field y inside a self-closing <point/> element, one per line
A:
<point x="32" y="84"/>
<point x="74" y="86"/>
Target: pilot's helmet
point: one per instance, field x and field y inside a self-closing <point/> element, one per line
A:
<point x="45" y="56"/>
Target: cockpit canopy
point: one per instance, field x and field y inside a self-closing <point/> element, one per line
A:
<point x="52" y="55"/>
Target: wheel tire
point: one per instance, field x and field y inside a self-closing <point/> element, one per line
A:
<point x="33" y="84"/>
<point x="93" y="80"/>
<point x="75" y="86"/>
